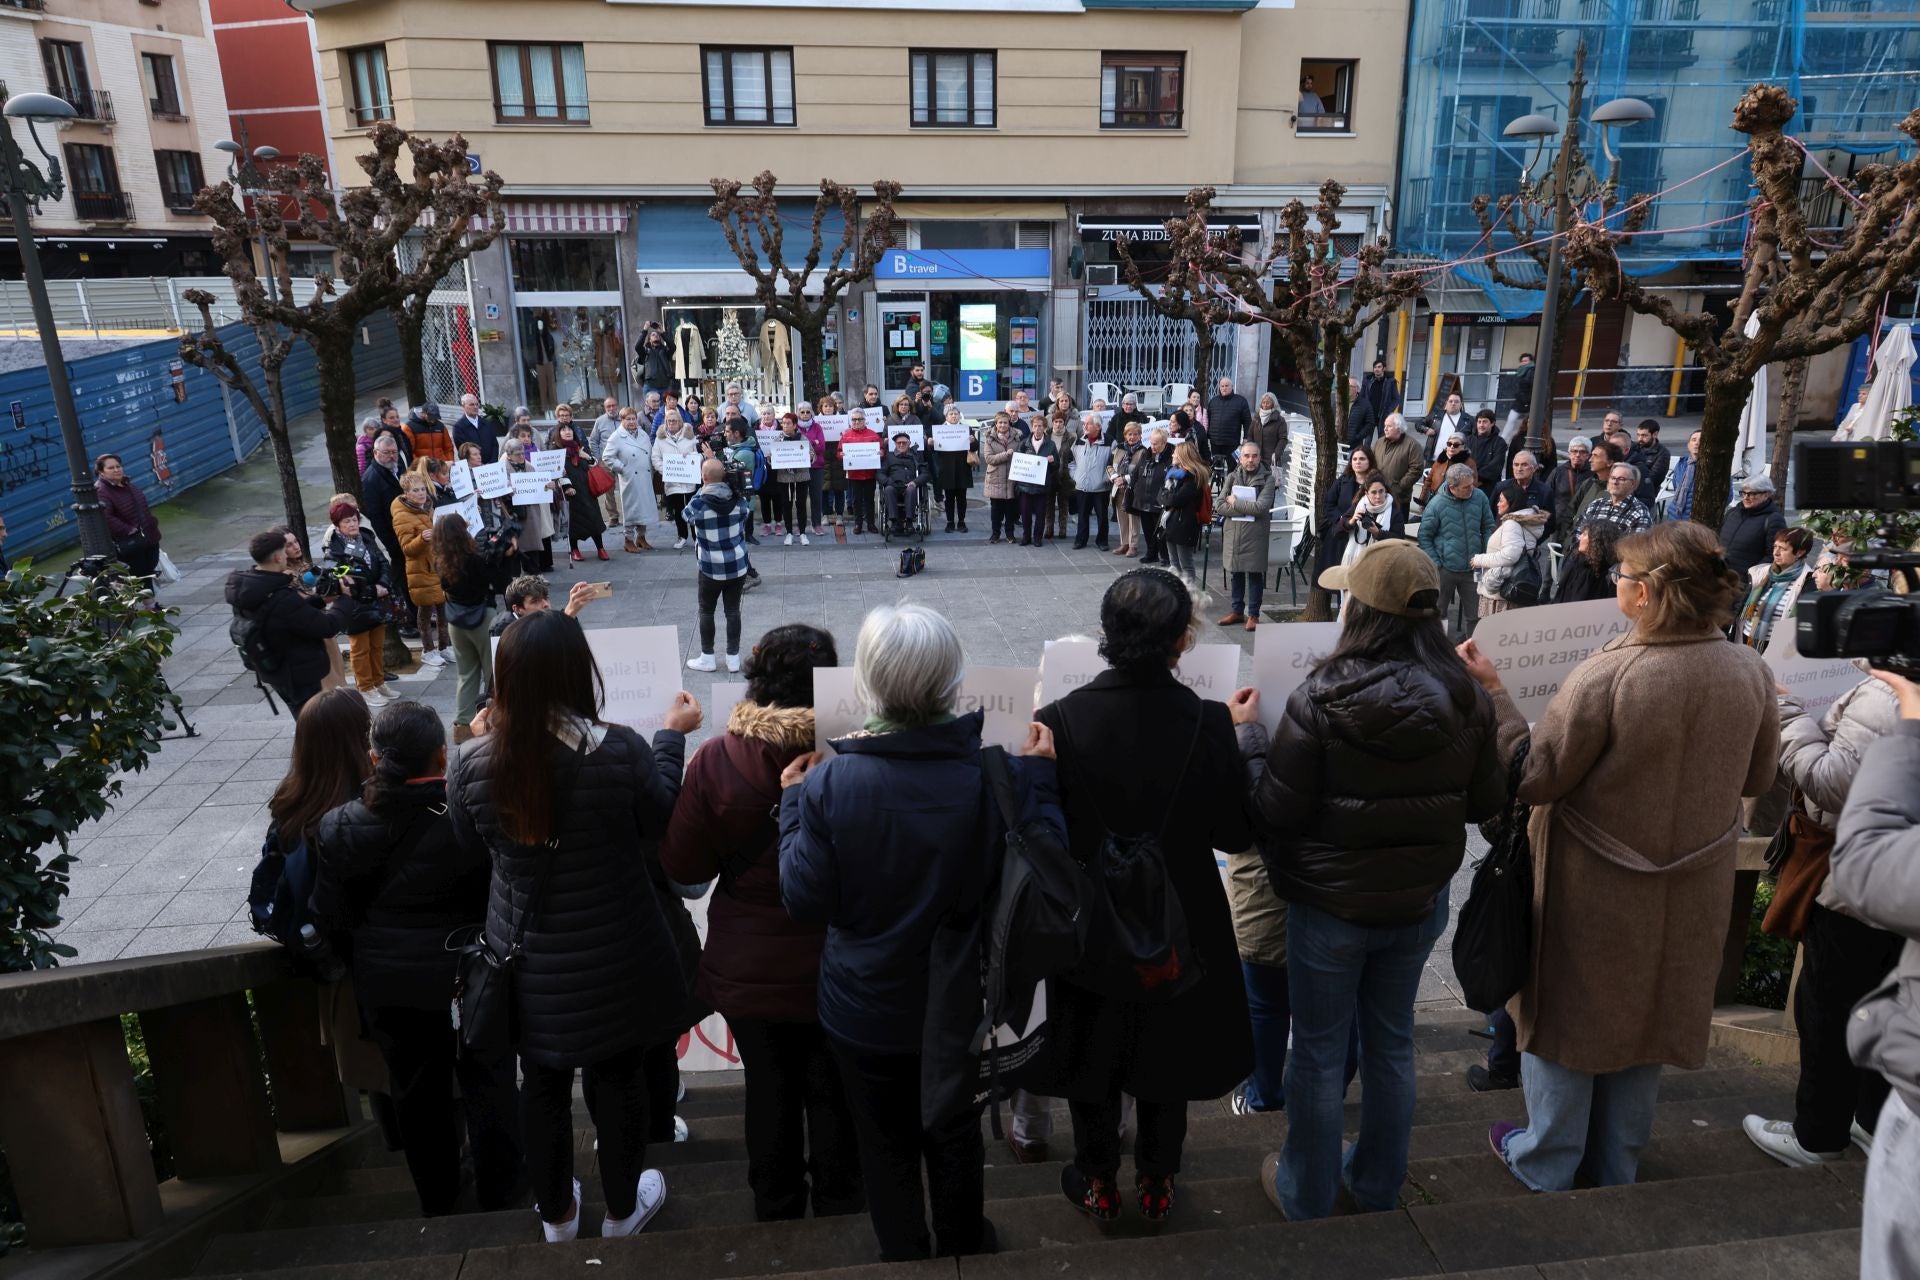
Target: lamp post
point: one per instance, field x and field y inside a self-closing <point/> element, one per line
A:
<point x="25" y="186"/>
<point x="244" y="172"/>
<point x="1572" y="180"/>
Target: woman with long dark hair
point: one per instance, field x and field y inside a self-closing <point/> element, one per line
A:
<point x="471" y="581"/>
<point x="1337" y="513"/>
<point x="391" y="886"/>
<point x="1382" y="757"/>
<point x="760" y="968"/>
<point x="1584" y="570"/>
<point x="584" y="521"/>
<point x="568" y="807"/>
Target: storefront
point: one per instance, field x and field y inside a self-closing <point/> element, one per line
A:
<point x="976" y="318"/>
<point x="569" y="328"/>
<point x="1129" y="344"/>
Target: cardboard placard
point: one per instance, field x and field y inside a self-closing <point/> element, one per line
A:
<point x="1006" y="695"/>
<point x="640" y="667"/>
<point x="1283" y="655"/>
<point x="766" y="439"/>
<point x="492" y="480"/>
<point x="831" y="425"/>
<point x="1536" y="649"/>
<point x="460" y="478"/>
<point x="530" y="489"/>
<point x="875" y="415"/>
<point x="859" y="455"/>
<point x="789" y="455"/>
<point x="1815" y="683"/>
<point x="952" y="437"/>
<point x="1210" y="670"/>
<point x="1028" y="468"/>
<point x="1065" y="665"/>
<point x="549" y="462"/>
<point x="678" y="468"/>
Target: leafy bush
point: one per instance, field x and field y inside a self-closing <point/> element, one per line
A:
<point x="80" y="680"/>
<point x="1766" y="968"/>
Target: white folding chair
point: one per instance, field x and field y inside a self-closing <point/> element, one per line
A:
<point x="1175" y="394"/>
<point x="1108" y="391"/>
<point x="1285" y="535"/>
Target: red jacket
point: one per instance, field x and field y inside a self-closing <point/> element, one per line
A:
<point x="757" y="962"/>
<point x="863" y="434"/>
<point x="128" y="515"/>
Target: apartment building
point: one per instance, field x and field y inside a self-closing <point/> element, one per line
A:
<point x="144" y="81"/>
<point x="1028" y="136"/>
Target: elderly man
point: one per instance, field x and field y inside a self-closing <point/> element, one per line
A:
<point x="1620" y="507"/>
<point x="736" y="401"/>
<point x="475" y="430"/>
<point x="1567" y="478"/>
<point x="1362" y="423"/>
<point x="1086" y="464"/>
<point x="1452" y="421"/>
<point x="1229" y="419"/>
<point x="1526" y="474"/>
<point x="1454" y="529"/>
<point x="1397" y="458"/>
<point x="1747" y="529"/>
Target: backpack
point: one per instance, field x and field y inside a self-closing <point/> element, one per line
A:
<point x="1527" y="583"/>
<point x="248" y="631"/>
<point x="759" y="480"/>
<point x="1493" y="939"/>
<point x="912" y="561"/>
<point x="277" y="896"/>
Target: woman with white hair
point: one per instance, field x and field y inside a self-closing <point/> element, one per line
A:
<point x="881" y="844"/>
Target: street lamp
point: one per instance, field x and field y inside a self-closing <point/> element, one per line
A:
<point x="243" y="171"/>
<point x="1569" y="182"/>
<point x="25" y="187"/>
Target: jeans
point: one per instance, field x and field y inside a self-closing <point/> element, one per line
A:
<point x="1890" y="1225"/>
<point x="1340" y="975"/>
<point x="1247" y="589"/>
<point x="1033" y="518"/>
<point x="473" y="659"/>
<point x="1182" y="556"/>
<point x="365" y="651"/>
<point x="1269" y="1011"/>
<point x="424" y="1061"/>
<point x="883" y="1091"/>
<point x="1001" y="516"/>
<point x="1843" y="960"/>
<point x="712" y="592"/>
<point x="1459" y="604"/>
<point x="1575" y="1122"/>
<point x="1090" y="504"/>
<point x="798" y="1122"/>
<point x="1160" y="1135"/>
<point x="816" y="492"/>
<point x="616" y="1095"/>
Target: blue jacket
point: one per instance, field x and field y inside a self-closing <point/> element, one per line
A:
<point x="1453" y="530"/>
<point x="1680" y="505"/>
<point x="879" y="845"/>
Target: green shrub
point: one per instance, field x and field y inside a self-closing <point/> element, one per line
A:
<point x="1766" y="969"/>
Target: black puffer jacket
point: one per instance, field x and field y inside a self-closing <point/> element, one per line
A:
<point x="1148" y="477"/>
<point x="604" y="967"/>
<point x="396" y="906"/>
<point x="1747" y="535"/>
<point x="1373" y="774"/>
<point x="294" y="626"/>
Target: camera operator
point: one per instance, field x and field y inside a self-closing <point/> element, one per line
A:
<point x="281" y="632"/>
<point x="357" y="567"/>
<point x="1875" y="871"/>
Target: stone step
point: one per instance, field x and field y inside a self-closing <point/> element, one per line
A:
<point x="1818" y="1255"/>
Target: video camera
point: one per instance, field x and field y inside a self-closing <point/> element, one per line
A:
<point x="1874" y="623"/>
<point x="492" y="544"/>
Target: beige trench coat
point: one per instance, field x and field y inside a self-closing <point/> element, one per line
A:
<point x="1635" y="775"/>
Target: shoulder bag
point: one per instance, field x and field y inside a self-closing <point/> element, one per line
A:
<point x="1493" y="940"/>
<point x="483" y="978"/>
<point x="1798" y="860"/>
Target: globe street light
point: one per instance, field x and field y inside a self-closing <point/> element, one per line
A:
<point x="25" y="187"/>
<point x="1572" y="180"/>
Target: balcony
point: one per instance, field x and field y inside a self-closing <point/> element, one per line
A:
<point x="88" y="104"/>
<point x="103" y="206"/>
<point x="23" y="6"/>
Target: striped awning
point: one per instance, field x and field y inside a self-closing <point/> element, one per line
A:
<point x="547" y="217"/>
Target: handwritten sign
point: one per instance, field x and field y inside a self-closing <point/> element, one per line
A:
<point x="831" y="425"/>
<point x="858" y="455"/>
<point x="1283" y="655"/>
<point x="676" y="468"/>
<point x="789" y="455"/>
<point x="492" y="480"/>
<point x="530" y="489"/>
<point x="1029" y="468"/>
<point x="549" y="462"/>
<point x="952" y="437"/>
<point x="1005" y="694"/>
<point x="837" y="709"/>
<point x="1210" y="670"/>
<point x="1065" y="665"/>
<point x="641" y="669"/>
<point x="1536" y="649"/>
<point x="460" y="476"/>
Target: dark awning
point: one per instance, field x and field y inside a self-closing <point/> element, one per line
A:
<point x="1146" y="227"/>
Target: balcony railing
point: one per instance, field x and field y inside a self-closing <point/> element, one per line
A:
<point x="103" y="206"/>
<point x="90" y="104"/>
<point x="1323" y="122"/>
<point x="28" y="6"/>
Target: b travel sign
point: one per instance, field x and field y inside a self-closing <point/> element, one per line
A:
<point x="963" y="264"/>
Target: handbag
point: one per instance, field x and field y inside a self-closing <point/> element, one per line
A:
<point x="599" y="480"/>
<point x="1493" y="940"/>
<point x="1809" y="851"/>
<point x="483" y="979"/>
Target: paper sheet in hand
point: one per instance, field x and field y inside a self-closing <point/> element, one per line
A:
<point x="831" y="425"/>
<point x="837" y="711"/>
<point x="1028" y="468"/>
<point x="1210" y="670"/>
<point x="1536" y="649"/>
<point x="468" y="509"/>
<point x="1245" y="493"/>
<point x="726" y="695"/>
<point x="641" y="668"/>
<point x="492" y="480"/>
<point x="790" y="455"/>
<point x="767" y="440"/>
<point x="1006" y="695"/>
<point x="1065" y="665"/>
<point x="860" y="456"/>
<point x="954" y="437"/>
<point x="549" y="462"/>
<point x="460" y="477"/>
<point x="1283" y="655"/>
<point x="530" y="489"/>
<point x="676" y="469"/>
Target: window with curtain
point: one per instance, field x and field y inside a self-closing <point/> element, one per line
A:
<point x="748" y="86"/>
<point x="952" y="88"/>
<point x="1141" y="90"/>
<point x="179" y="178"/>
<point x="163" y="91"/>
<point x="540" y="83"/>
<point x="367" y="76"/>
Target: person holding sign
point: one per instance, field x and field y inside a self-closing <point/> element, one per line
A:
<point x="998" y="444"/>
<point x="536" y="519"/>
<point x="629" y="456"/>
<point x="1383" y="756"/>
<point x="1032" y="473"/>
<point x="861" y="477"/>
<point x="816" y="465"/>
<point x="792" y="479"/>
<point x="1623" y="971"/>
<point x="953" y="456"/>
<point x="1248" y="507"/>
<point x="679" y="448"/>
<point x="834" y="502"/>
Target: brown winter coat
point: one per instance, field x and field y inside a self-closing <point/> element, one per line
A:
<point x="423" y="584"/>
<point x="1399" y="463"/>
<point x="997" y="450"/>
<point x="1635" y="778"/>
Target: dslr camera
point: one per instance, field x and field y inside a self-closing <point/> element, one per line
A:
<point x="1874" y="623"/>
<point x="492" y="544"/>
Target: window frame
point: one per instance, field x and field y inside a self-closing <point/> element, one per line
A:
<point x="1167" y="59"/>
<point x="169" y="193"/>
<point x="109" y="166"/>
<point x="365" y="113"/>
<point x="76" y="61"/>
<point x="927" y="59"/>
<point x="159" y="107"/>
<point x="728" y="52"/>
<point x="1341" y="120"/>
<point x="561" y="105"/>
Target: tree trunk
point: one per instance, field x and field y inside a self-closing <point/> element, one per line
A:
<point x="410" y="324"/>
<point x="283" y="457"/>
<point x="333" y="360"/>
<point x="1719" y="433"/>
<point x="1791" y="397"/>
<point x="813" y="373"/>
<point x="1202" y="360"/>
<point x="1326" y="462"/>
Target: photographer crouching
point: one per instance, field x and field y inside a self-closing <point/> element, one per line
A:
<point x="281" y="632"/>
<point x="473" y="570"/>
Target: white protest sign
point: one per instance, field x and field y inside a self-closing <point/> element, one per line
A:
<point x="876" y="416"/>
<point x="766" y="439"/>
<point x="837" y="710"/>
<point x="1536" y="649"/>
<point x="860" y="456"/>
<point x="1006" y="695"/>
<point x="952" y="437"/>
<point x="678" y="468"/>
<point x="1065" y="665"/>
<point x="460" y="476"/>
<point x="641" y="669"/>
<point x="790" y="455"/>
<point x="1210" y="670"/>
<point x="468" y="509"/>
<point x="492" y="480"/>
<point x="726" y="695"/>
<point x="1815" y="683"/>
<point x="1028" y="468"/>
<point x="831" y="425"/>
<point x="549" y="462"/>
<point x="530" y="489"/>
<point x="1283" y="654"/>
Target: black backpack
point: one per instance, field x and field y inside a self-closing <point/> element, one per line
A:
<point x="1493" y="939"/>
<point x="1526" y="585"/>
<point x="248" y="633"/>
<point x="277" y="897"/>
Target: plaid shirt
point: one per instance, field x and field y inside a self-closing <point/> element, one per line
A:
<point x="719" y="526"/>
<point x="1631" y="516"/>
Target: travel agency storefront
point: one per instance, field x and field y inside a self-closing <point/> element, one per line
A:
<point x="977" y="318"/>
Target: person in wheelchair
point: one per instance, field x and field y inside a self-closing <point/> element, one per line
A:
<point x="903" y="480"/>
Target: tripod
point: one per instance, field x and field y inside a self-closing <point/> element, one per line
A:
<point x="99" y="573"/>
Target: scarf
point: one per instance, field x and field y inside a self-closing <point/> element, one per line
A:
<point x="1383" y="514"/>
<point x="1766" y="604"/>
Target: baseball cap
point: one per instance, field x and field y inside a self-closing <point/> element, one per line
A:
<point x="1394" y="577"/>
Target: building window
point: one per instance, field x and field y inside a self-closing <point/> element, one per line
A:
<point x="1326" y="96"/>
<point x="748" y="86"/>
<point x="163" y="91"/>
<point x="540" y="83"/>
<point x="67" y="80"/>
<point x="94" y="181"/>
<point x="179" y="178"/>
<point x="952" y="88"/>
<point x="1141" y="90"/>
<point x="367" y="75"/>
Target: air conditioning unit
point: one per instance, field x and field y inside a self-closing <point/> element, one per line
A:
<point x="1103" y="273"/>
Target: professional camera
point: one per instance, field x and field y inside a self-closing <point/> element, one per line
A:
<point x="1879" y="625"/>
<point x="493" y="544"/>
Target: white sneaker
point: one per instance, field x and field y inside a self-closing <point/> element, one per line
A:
<point x="733" y="662"/>
<point x="704" y="662"/>
<point x="789" y="541"/>
<point x="433" y="658"/>
<point x="648" y="1197"/>
<point x="1862" y="1139"/>
<point x="560" y="1233"/>
<point x="1776" y="1138"/>
<point x="679" y="543"/>
<point x="680" y="1133"/>
<point x="376" y="696"/>
<point x="805" y="541"/>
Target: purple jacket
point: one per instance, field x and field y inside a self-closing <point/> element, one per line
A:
<point x="128" y="515"/>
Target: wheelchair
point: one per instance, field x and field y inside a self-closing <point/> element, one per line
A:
<point x="917" y="524"/>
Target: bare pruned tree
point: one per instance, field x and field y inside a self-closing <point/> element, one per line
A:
<point x="1184" y="293"/>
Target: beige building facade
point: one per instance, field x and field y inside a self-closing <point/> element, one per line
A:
<point x="1028" y="136"/>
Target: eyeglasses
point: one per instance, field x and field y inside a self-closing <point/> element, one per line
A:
<point x="1616" y="575"/>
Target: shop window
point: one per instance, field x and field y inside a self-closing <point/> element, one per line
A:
<point x="367" y="77"/>
<point x="163" y="91"/>
<point x="571" y="354"/>
<point x="556" y="264"/>
<point x="179" y="178"/>
<point x="748" y="86"/>
<point x="1326" y="96"/>
<point x="1141" y="90"/>
<point x="539" y="83"/>
<point x="952" y="88"/>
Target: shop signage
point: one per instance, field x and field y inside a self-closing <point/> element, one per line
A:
<point x="979" y="351"/>
<point x="1147" y="230"/>
<point x="963" y="264"/>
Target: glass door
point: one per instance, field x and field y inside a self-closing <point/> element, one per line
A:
<point x="902" y="343"/>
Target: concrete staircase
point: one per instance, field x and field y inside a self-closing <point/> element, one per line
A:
<point x="1708" y="1205"/>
